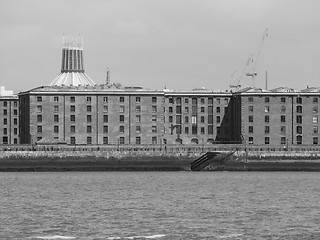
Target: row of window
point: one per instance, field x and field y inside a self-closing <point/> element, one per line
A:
<point x="5" y="104"/>
<point x="89" y="99"/>
<point x="283" y="119"/>
<point x="5" y="112"/>
<point x="283" y="109"/>
<point x="283" y="129"/>
<point x="5" y="131"/>
<point x="5" y="140"/>
<point x="121" y="140"/>
<point x="284" y="141"/>
<point x="283" y="100"/>
<point x="194" y="119"/>
<point x="15" y="121"/>
<point x="194" y="101"/>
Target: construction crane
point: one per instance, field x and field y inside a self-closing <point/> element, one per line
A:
<point x="249" y="68"/>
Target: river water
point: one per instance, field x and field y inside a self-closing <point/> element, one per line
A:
<point x="160" y="205"/>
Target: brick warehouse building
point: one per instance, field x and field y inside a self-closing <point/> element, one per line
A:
<point x="75" y="110"/>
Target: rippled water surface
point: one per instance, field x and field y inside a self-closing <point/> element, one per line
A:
<point x="160" y="205"/>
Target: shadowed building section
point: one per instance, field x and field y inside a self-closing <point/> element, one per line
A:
<point x="72" y="70"/>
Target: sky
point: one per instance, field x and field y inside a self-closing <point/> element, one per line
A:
<point x="157" y="44"/>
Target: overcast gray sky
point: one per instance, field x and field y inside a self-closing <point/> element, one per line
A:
<point x="180" y="44"/>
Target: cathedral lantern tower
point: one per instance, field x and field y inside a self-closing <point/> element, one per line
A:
<point x="72" y="70"/>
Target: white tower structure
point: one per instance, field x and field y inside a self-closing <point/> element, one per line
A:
<point x="72" y="70"/>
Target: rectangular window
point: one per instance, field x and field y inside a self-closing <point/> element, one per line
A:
<point x="56" y="129"/>
<point x="250" y="99"/>
<point x="266" y="109"/>
<point x="88" y="99"/>
<point x="186" y="100"/>
<point x="5" y="103"/>
<point x="5" y="112"/>
<point x="15" y="121"/>
<point x="105" y="108"/>
<point x="299" y="100"/>
<point x="154" y="140"/>
<point x="105" y="140"/>
<point x="15" y="104"/>
<point x="15" y="131"/>
<point x="250" y="129"/>
<point x="226" y="101"/>
<point x="154" y="129"/>
<point x="186" y="130"/>
<point x="178" y="109"/>
<point x="178" y="119"/>
<point x="89" y="108"/>
<point x="121" y="118"/>
<point x="72" y="108"/>
<point x="186" y="109"/>
<point x="138" y="118"/>
<point x="210" y="129"/>
<point x="105" y="118"/>
<point x="202" y="109"/>
<point x="202" y="130"/>
<point x="89" y="129"/>
<point x="154" y="108"/>
<point x="202" y="100"/>
<point x="89" y="140"/>
<point x="56" y="118"/>
<point x="315" y="140"/>
<point x="154" y="99"/>
<point x="202" y="119"/>
<point x="72" y="118"/>
<point x="39" y="118"/>
<point x="121" y="140"/>
<point x="266" y="140"/>
<point x="121" y="129"/>
<point x="210" y="119"/>
<point x="186" y="119"/>
<point x="315" y="119"/>
<point x="138" y="140"/>
<point x="56" y="99"/>
<point x="138" y="99"/>
<point x="283" y="140"/>
<point x="121" y="110"/>
<point x="266" y="118"/>
<point x="5" y="121"/>
<point x="218" y="109"/>
<point x="170" y="119"/>
<point x="283" y="118"/>
<point x="283" y="99"/>
<point x="121" y="99"/>
<point x="251" y="118"/>
<point x="194" y="129"/>
<point x="15" y="112"/>
<point x="55" y="108"/>
<point x="105" y="99"/>
<point x="72" y="99"/>
<point x="72" y="129"/>
<point x="250" y="140"/>
<point x="138" y="108"/>
<point x="89" y="118"/>
<point x="283" y="129"/>
<point x="170" y="110"/>
<point x="154" y="118"/>
<point x="299" y="119"/>
<point x="105" y="129"/>
<point x="315" y="129"/>
<point x="218" y="119"/>
<point x="315" y="109"/>
<point x="39" y="99"/>
<point x="266" y="99"/>
<point x="315" y="99"/>
<point x="73" y="140"/>
<point x="250" y="108"/>
<point x="266" y="129"/>
<point x="299" y="129"/>
<point x="39" y="108"/>
<point x="138" y="129"/>
<point x="299" y="109"/>
<point x="5" y="131"/>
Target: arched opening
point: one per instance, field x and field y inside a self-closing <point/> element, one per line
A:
<point x="179" y="140"/>
<point x="194" y="141"/>
<point x="210" y="141"/>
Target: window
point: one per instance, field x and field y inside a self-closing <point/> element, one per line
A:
<point x="266" y="118"/>
<point x="73" y="140"/>
<point x="5" y="121"/>
<point x="226" y="101"/>
<point x="15" y="112"/>
<point x="178" y="109"/>
<point x="154" y="118"/>
<point x="283" y="140"/>
<point x="210" y="109"/>
<point x="299" y="129"/>
<point x="283" y="118"/>
<point x="138" y="140"/>
<point x="105" y="140"/>
<point x="138" y="129"/>
<point x="105" y="108"/>
<point x="266" y="129"/>
<point x="283" y="99"/>
<point x="186" y="109"/>
<point x="5" y="103"/>
<point x="15" y="104"/>
<point x="56" y="118"/>
<point x="105" y="118"/>
<point x="186" y="130"/>
<point x="105" y="129"/>
<point x="89" y="129"/>
<point x="138" y="118"/>
<point x="299" y="139"/>
<point x="299" y="109"/>
<point x="15" y="131"/>
<point x="121" y="118"/>
<point x="250" y="118"/>
<point x="89" y="119"/>
<point x="170" y="119"/>
<point x="315" y="119"/>
<point x="250" y="108"/>
<point x="283" y="129"/>
<point x="202" y="130"/>
<point x="250" y="99"/>
<point x="39" y="118"/>
<point x="121" y="99"/>
<point x="266" y="140"/>
<point x="170" y="109"/>
<point x="121" y="140"/>
<point x="315" y="129"/>
<point x="202" y="109"/>
<point x="194" y="101"/>
<point x="154" y="108"/>
<point x="266" y="99"/>
<point x="138" y="99"/>
<point x="138" y="108"/>
<point x="194" y="129"/>
<point x="210" y="129"/>
<point x="72" y="129"/>
<point x="72" y="108"/>
<point x="315" y="109"/>
<point x="56" y="129"/>
<point x="15" y="141"/>
<point x="56" y="99"/>
<point x="178" y="119"/>
<point x="88" y="99"/>
<point x="299" y="119"/>
<point x="202" y="100"/>
<point x="299" y="100"/>
<point x="218" y="119"/>
<point x="315" y="140"/>
<point x="55" y="108"/>
<point x="315" y="99"/>
<point x="154" y="99"/>
<point x="154" y="140"/>
<point x="72" y="99"/>
<point x="170" y="100"/>
<point x="202" y="119"/>
<point x="5" y="131"/>
<point x="89" y="108"/>
<point x="186" y="100"/>
<point x="154" y="129"/>
<point x="250" y="129"/>
<point x="15" y="121"/>
<point x="89" y="140"/>
<point x="39" y="99"/>
<point x="283" y="108"/>
<point x="266" y="109"/>
<point x="121" y="129"/>
<point x="186" y="119"/>
<point x="39" y="108"/>
<point x="121" y="110"/>
<point x="218" y="109"/>
<point x="72" y="118"/>
<point x="250" y="140"/>
<point x="210" y="119"/>
<point x="105" y="99"/>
